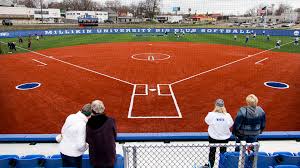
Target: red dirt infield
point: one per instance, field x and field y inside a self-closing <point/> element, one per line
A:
<point x="177" y="93"/>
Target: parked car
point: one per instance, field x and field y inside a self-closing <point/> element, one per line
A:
<point x="109" y="21"/>
<point x="7" y="22"/>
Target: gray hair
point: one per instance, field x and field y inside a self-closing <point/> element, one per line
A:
<point x="98" y="106"/>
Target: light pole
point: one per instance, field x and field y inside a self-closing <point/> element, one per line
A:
<point x="41" y="1"/>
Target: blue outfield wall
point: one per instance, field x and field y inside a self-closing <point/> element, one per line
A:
<point x="123" y="137"/>
<point x="78" y="31"/>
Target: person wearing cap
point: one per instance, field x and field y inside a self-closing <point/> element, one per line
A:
<point x="72" y="142"/>
<point x="249" y="122"/>
<point x="101" y="133"/>
<point x="219" y="123"/>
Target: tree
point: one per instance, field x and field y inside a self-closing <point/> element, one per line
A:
<point x="251" y="12"/>
<point x="297" y="10"/>
<point x="114" y="5"/>
<point x="152" y="8"/>
<point x="29" y="3"/>
<point x="282" y="8"/>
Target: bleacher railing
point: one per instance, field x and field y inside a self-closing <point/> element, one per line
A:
<point x="190" y="156"/>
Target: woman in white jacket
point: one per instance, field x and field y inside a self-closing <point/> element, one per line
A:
<point x="219" y="123"/>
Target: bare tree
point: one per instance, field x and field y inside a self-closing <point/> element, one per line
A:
<point x="152" y="8"/>
<point x="282" y="8"/>
<point x="114" y="5"/>
<point x="28" y="3"/>
<point x="297" y="10"/>
<point x="251" y="12"/>
<point x="133" y="8"/>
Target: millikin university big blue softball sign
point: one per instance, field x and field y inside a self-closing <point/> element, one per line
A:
<point x="59" y="32"/>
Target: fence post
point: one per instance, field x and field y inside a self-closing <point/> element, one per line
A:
<point x="134" y="157"/>
<point x="256" y="148"/>
<point x="126" y="158"/>
<point x="242" y="154"/>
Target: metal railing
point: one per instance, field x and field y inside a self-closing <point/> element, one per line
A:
<point x="190" y="155"/>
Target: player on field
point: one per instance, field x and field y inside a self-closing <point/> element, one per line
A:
<point x="278" y="42"/>
<point x="254" y="36"/>
<point x="296" y="42"/>
<point x="268" y="37"/>
<point x="247" y="39"/>
<point x="235" y="37"/>
<point x="29" y="43"/>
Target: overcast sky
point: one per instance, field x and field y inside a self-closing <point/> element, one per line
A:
<point x="215" y="6"/>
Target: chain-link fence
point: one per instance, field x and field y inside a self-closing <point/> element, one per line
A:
<point x="240" y="155"/>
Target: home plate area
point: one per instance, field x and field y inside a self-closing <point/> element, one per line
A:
<point x="153" y="101"/>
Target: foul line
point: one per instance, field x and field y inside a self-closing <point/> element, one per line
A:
<point x="219" y="67"/>
<point x="258" y="62"/>
<point x="43" y="64"/>
<point x="77" y="66"/>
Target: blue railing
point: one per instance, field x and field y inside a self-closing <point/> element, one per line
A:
<point x="124" y="137"/>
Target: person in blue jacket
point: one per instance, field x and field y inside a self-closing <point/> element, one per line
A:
<point x="249" y="122"/>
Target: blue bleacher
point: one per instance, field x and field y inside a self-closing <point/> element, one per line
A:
<point x="53" y="161"/>
<point x="287" y="158"/>
<point x="286" y="166"/>
<point x="284" y="153"/>
<point x="7" y="161"/>
<point x="86" y="161"/>
<point x="229" y="160"/>
<point x="30" y="161"/>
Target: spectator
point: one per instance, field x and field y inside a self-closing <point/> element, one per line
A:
<point x="219" y="123"/>
<point x="72" y="138"/>
<point x="249" y="122"/>
<point x="101" y="136"/>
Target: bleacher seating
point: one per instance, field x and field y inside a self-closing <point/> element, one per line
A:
<point x="7" y="161"/>
<point x="286" y="166"/>
<point x="86" y="161"/>
<point x="284" y="153"/>
<point x="30" y="161"/>
<point x="287" y="158"/>
<point x="54" y="161"/>
<point x="229" y="160"/>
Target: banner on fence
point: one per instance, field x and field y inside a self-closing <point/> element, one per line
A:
<point x="58" y="32"/>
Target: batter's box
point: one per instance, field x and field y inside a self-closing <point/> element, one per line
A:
<point x="141" y="89"/>
<point x="164" y="90"/>
<point x="160" y="104"/>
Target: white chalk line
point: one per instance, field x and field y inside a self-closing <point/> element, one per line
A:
<point x="230" y="63"/>
<point x="259" y="62"/>
<point x="43" y="64"/>
<point x="77" y="66"/>
<point x="159" y="94"/>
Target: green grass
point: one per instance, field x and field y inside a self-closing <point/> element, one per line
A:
<point x="71" y="40"/>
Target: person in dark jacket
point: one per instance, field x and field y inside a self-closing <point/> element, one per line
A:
<point x="101" y="136"/>
<point x="249" y="122"/>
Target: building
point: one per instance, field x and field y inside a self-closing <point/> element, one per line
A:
<point x="73" y="15"/>
<point x="23" y="15"/>
<point x="5" y="3"/>
<point x="169" y="19"/>
<point x="129" y="19"/>
<point x="203" y="18"/>
<point x="289" y="17"/>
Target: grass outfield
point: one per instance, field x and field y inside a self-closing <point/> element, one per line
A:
<point x="70" y="40"/>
